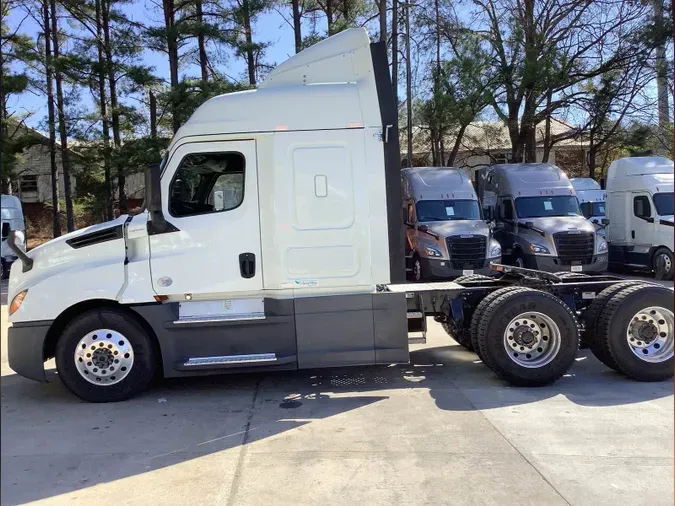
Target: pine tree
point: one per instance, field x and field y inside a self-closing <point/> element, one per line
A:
<point x="63" y="128"/>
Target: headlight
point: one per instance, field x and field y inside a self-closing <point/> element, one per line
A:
<point x="602" y="245"/>
<point x="432" y="252"/>
<point x="17" y="301"/>
<point x="495" y="251"/>
<point x="538" y="248"/>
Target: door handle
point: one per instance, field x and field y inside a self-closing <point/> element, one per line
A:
<point x="632" y="234"/>
<point x="247" y="265"/>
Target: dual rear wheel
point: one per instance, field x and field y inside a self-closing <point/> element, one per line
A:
<point x="530" y="337"/>
<point x="630" y="327"/>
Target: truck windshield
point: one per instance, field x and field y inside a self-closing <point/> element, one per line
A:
<point x="445" y="210"/>
<point x="663" y="203"/>
<point x="542" y="207"/>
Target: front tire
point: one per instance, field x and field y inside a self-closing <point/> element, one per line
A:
<point x="528" y="338"/>
<point x="105" y="355"/>
<point x="663" y="265"/>
<point x="418" y="270"/>
<point x="518" y="260"/>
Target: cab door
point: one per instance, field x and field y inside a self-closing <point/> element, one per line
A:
<point x="210" y="201"/>
<point x="642" y="220"/>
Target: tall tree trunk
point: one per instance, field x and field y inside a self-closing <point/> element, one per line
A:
<point x="201" y="42"/>
<point x="434" y="147"/>
<point x="115" y="113"/>
<point x="548" y="142"/>
<point x="329" y="16"/>
<point x="661" y="69"/>
<point x="408" y="83"/>
<point x="153" y="116"/>
<point x="297" y="25"/>
<point x="437" y="84"/>
<point x="108" y="193"/>
<point x="250" y="57"/>
<point x="394" y="50"/>
<point x="63" y="130"/>
<point x="6" y="179"/>
<point x="382" y="8"/>
<point x="56" y="214"/>
<point x="592" y="155"/>
<point x="172" y="51"/>
<point x="455" y="148"/>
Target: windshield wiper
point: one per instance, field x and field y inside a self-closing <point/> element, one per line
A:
<point x="530" y="225"/>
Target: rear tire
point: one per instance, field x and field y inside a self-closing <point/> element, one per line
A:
<point x="462" y="336"/>
<point x="662" y="264"/>
<point x="472" y="277"/>
<point x="480" y="309"/>
<point x="528" y="338"/>
<point x="591" y="318"/>
<point x="571" y="275"/>
<point x="636" y="331"/>
<point x="105" y="355"/>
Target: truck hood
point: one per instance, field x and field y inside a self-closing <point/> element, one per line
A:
<point x="554" y="224"/>
<point x="55" y="257"/>
<point x="459" y="227"/>
<point x="55" y="246"/>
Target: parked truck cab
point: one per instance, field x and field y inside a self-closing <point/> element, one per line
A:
<point x="592" y="201"/>
<point x="640" y="212"/>
<point x="538" y="221"/>
<point x="273" y="240"/>
<point x="446" y="236"/>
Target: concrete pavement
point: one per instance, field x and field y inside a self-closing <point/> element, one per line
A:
<point x="442" y="430"/>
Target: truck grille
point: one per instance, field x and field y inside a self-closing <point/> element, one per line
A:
<point x="467" y="251"/>
<point x="574" y="248"/>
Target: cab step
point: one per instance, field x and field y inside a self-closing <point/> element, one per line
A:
<point x="417" y="325"/>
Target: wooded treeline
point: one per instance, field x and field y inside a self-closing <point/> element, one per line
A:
<point x="603" y="66"/>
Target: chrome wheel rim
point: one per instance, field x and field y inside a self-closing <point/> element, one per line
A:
<point x="520" y="262"/>
<point x="664" y="260"/>
<point x="104" y="357"/>
<point x="532" y="340"/>
<point x="417" y="270"/>
<point x="650" y="334"/>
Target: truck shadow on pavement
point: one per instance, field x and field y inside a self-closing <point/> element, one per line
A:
<point x="54" y="444"/>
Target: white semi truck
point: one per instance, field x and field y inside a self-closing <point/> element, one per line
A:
<point x="592" y="201"/>
<point x="302" y="266"/>
<point x="640" y="212"/>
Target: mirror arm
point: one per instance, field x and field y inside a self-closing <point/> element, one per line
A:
<point x="25" y="259"/>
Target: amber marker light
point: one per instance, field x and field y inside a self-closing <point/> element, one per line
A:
<point x="17" y="301"/>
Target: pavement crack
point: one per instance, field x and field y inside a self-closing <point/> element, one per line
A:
<point x="236" y="479"/>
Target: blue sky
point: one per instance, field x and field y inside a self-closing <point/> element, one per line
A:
<point x="269" y="27"/>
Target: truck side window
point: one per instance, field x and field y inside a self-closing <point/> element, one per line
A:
<point x="207" y="183"/>
<point x="587" y="209"/>
<point x="411" y="213"/>
<point x="641" y="207"/>
<point x="508" y="209"/>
